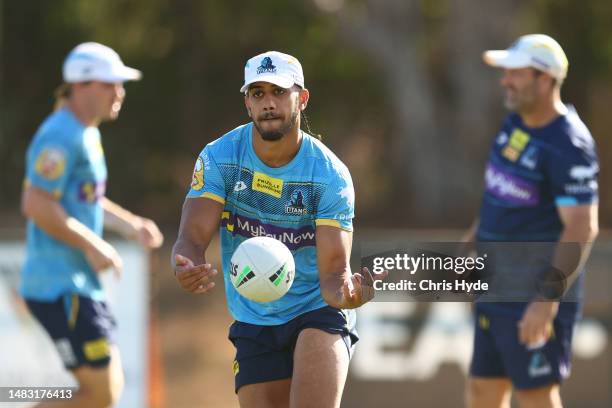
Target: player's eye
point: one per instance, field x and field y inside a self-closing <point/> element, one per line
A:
<point x="279" y="91"/>
<point x="257" y="94"/>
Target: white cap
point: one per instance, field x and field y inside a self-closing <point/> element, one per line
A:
<point x="91" y="61"/>
<point x="538" y="51"/>
<point x="274" y="67"/>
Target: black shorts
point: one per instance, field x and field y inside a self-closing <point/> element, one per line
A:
<point x="498" y="353"/>
<point x="265" y="353"/>
<point x="81" y="328"/>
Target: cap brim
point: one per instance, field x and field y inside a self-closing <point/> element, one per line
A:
<point x="127" y="74"/>
<point x="506" y="59"/>
<point x="119" y="74"/>
<point x="283" y="82"/>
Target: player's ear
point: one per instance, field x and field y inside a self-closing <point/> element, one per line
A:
<point x="246" y="104"/>
<point x="304" y="96"/>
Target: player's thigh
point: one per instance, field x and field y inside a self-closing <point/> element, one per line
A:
<point x="270" y="394"/>
<point x="104" y="383"/>
<point x="488" y="392"/>
<point x="542" y="397"/>
<point x="320" y="367"/>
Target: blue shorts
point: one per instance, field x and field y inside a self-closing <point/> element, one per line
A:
<point x="265" y="353"/>
<point x="498" y="353"/>
<point x="82" y="329"/>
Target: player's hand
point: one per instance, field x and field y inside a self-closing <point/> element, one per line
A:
<point x="148" y="234"/>
<point x="360" y="289"/>
<point x="535" y="328"/>
<point x="193" y="278"/>
<point x="102" y="256"/>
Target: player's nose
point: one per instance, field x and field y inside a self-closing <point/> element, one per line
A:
<point x="268" y="102"/>
<point x="505" y="79"/>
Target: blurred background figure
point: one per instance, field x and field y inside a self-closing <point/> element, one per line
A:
<point x="64" y="201"/>
<point x="532" y="194"/>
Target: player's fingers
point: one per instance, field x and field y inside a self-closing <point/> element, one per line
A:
<point x="346" y="291"/>
<point x="522" y="332"/>
<point x="117" y="265"/>
<point x="204" y="288"/>
<point x="181" y="260"/>
<point x="358" y="280"/>
<point x="203" y="281"/>
<point x="191" y="278"/>
<point x="532" y="336"/>
<point x="187" y="272"/>
<point x="200" y="283"/>
<point x="381" y="276"/>
<point x="368" y="280"/>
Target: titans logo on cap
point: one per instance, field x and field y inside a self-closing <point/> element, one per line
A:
<point x="266" y="66"/>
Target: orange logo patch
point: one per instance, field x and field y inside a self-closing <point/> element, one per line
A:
<point x="50" y="163"/>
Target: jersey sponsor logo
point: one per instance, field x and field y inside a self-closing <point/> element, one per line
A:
<point x="529" y="159"/>
<point x="293" y="238"/>
<point x="589" y="187"/>
<point x="516" y="145"/>
<point x="585" y="180"/>
<point x="197" y="181"/>
<point x="295" y="206"/>
<point x="239" y="186"/>
<point x="268" y="185"/>
<point x="236" y="367"/>
<point x="51" y="163"/>
<point x="509" y="187"/>
<point x="502" y="138"/>
<point x="91" y="191"/>
<point x="582" y="173"/>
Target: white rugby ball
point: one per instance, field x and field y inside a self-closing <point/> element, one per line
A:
<point x="262" y="269"/>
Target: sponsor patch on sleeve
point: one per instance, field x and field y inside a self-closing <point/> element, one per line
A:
<point x="51" y="163"/>
<point x="197" y="182"/>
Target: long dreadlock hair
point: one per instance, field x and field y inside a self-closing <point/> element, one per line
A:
<point x="307" y="125"/>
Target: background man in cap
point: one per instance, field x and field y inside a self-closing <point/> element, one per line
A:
<point x="63" y="199"/>
<point x="540" y="185"/>
<point x="295" y="349"/>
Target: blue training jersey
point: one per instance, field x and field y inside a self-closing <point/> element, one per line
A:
<point x="65" y="159"/>
<point x="531" y="172"/>
<point x="286" y="203"/>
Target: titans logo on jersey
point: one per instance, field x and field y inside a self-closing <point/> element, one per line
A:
<point x="286" y="203"/>
<point x="65" y="159"/>
<point x="531" y="172"/>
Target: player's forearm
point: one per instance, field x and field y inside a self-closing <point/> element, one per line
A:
<point x="570" y="257"/>
<point x="574" y="249"/>
<point x="120" y="220"/>
<point x="332" y="277"/>
<point x="51" y="217"/>
<point x="189" y="249"/>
